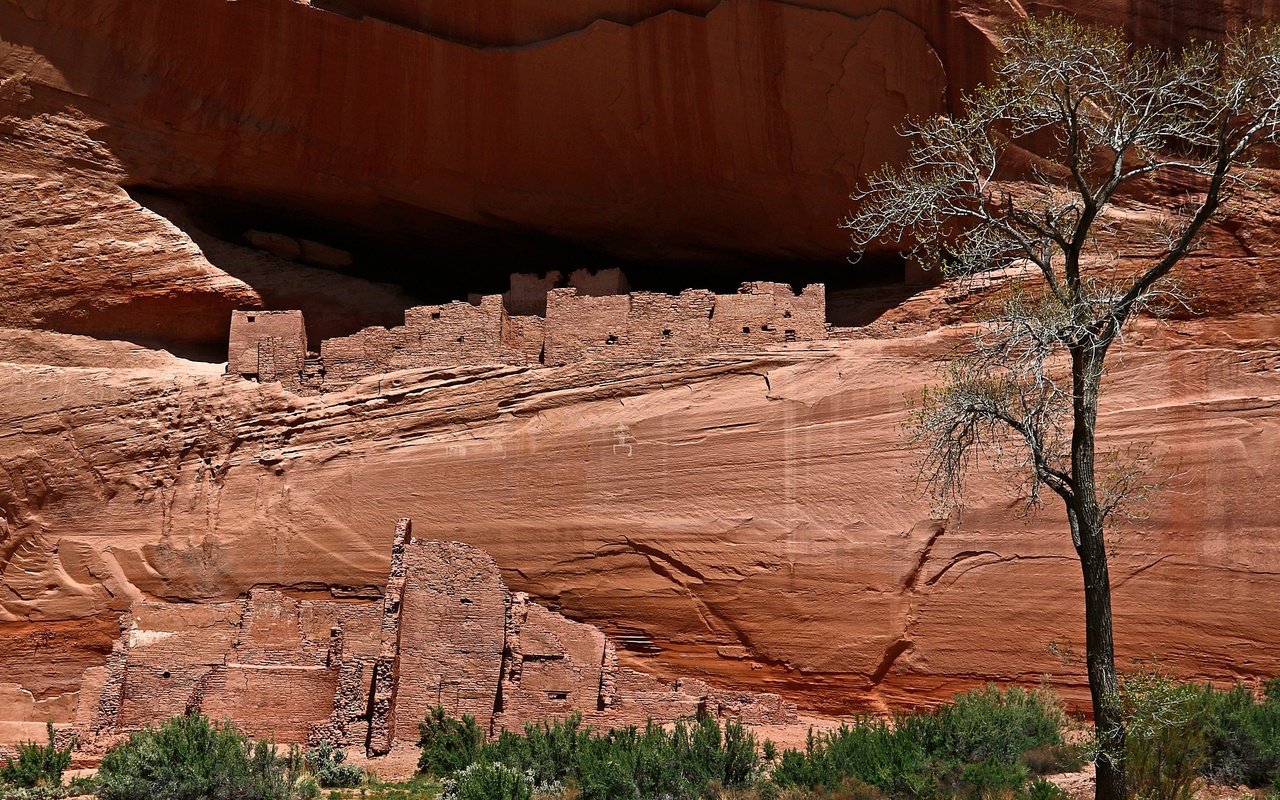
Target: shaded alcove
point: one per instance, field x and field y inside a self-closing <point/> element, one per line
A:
<point x="348" y="275"/>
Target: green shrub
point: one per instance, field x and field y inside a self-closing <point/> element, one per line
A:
<point x="548" y="750"/>
<point x="992" y="779"/>
<point x="1051" y="759"/>
<point x="448" y="744"/>
<point x="976" y="746"/>
<point x="869" y="751"/>
<point x="986" y="724"/>
<point x="75" y="788"/>
<point x="1242" y="736"/>
<point x="485" y="780"/>
<point x="1165" y="742"/>
<point x="326" y="764"/>
<point x="37" y="764"/>
<point x="308" y="789"/>
<point x="190" y="758"/>
<point x="620" y="763"/>
<point x="1041" y="789"/>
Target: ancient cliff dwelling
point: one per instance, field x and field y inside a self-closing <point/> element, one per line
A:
<point x="362" y="672"/>
<point x="584" y="289"/>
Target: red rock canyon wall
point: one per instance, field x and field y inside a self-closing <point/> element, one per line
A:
<point x="747" y="518"/>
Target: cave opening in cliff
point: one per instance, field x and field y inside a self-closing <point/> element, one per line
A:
<point x="349" y="273"/>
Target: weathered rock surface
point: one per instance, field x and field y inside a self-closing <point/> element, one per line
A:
<point x="748" y="518"/>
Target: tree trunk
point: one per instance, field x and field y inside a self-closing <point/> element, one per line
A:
<point x="1087" y="532"/>
<point x="1108" y="718"/>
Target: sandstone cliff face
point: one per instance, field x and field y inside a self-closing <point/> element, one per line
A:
<point x="749" y="518"/>
<point x="668" y="129"/>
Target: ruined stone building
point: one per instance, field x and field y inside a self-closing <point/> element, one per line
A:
<point x="585" y="321"/>
<point x="363" y="673"/>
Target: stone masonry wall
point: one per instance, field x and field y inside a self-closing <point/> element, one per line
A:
<point x="649" y="325"/>
<point x="581" y="324"/>
<point x="249" y="329"/>
<point x="435" y="336"/>
<point x="364" y="673"/>
<point x="452" y="624"/>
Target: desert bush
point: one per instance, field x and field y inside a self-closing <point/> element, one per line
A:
<point x="869" y="751"/>
<point x="1165" y="744"/>
<point x="37" y="764"/>
<point x="1041" y="789"/>
<point x="612" y="765"/>
<point x="991" y="779"/>
<point x="973" y="747"/>
<point x="654" y="762"/>
<point x="1242" y="736"/>
<point x="309" y="788"/>
<point x="190" y="758"/>
<point x="485" y="780"/>
<point x="326" y="765"/>
<point x="448" y="744"/>
<point x="1050" y="759"/>
<point x="987" y="724"/>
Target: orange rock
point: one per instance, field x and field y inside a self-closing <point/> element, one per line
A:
<point x="749" y="519"/>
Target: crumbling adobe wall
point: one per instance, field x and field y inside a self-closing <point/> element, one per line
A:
<point x="552" y="665"/>
<point x="280" y="336"/>
<point x="581" y="324"/>
<point x="452" y="624"/>
<point x="435" y="336"/>
<point x="364" y="673"/>
<point x="263" y="662"/>
<point x="649" y="325"/>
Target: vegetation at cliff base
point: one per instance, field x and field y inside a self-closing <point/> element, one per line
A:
<point x="988" y="740"/>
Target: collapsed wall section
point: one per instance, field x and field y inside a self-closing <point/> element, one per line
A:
<point x="435" y="336"/>
<point x="365" y="673"/>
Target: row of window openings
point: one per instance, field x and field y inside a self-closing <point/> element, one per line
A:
<point x="788" y="335"/>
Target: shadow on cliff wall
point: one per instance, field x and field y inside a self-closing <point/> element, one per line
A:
<point x="345" y="277"/>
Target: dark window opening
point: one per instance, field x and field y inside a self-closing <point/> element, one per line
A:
<point x="611" y="339"/>
<point x="786" y="314"/>
<point x="465" y="601"/>
<point x="746" y="329"/>
<point x="788" y="335"/>
<point x="666" y="333"/>
<point x="557" y="695"/>
<point x="435" y="315"/>
<point x="165" y="674"/>
<point x="461" y="338"/>
<point x="252" y="318"/>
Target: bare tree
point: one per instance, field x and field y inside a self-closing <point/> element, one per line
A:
<point x="1102" y="118"/>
